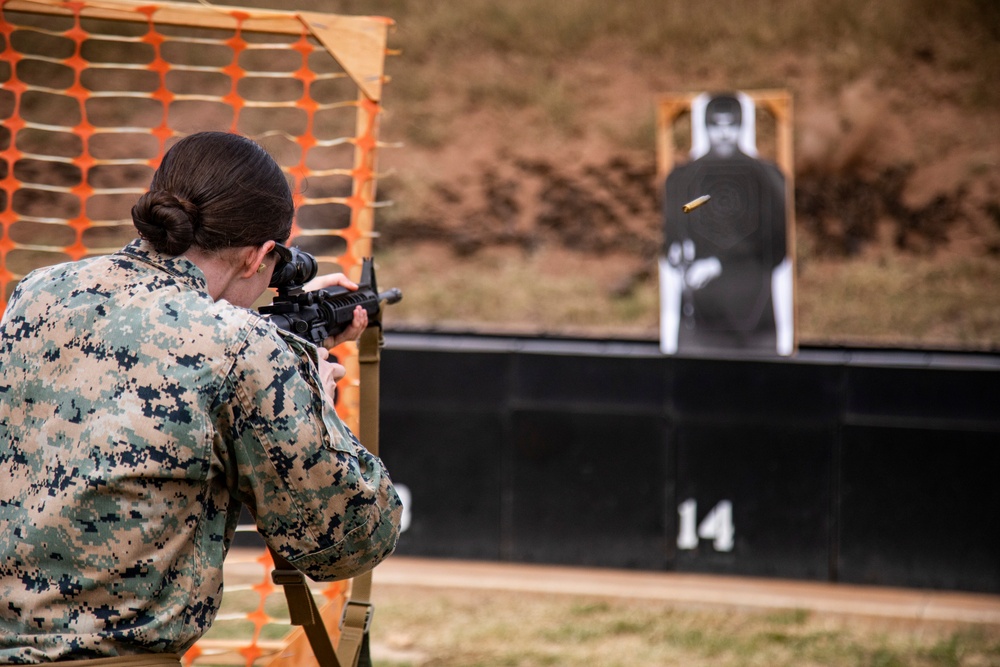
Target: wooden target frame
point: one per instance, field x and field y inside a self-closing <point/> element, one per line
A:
<point x="778" y="105"/>
<point x="93" y="93"/>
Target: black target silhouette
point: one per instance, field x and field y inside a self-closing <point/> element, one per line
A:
<point x="735" y="209"/>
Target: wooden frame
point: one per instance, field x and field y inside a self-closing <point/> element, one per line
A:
<point x="358" y="44"/>
<point x="777" y="102"/>
<point x="670" y="107"/>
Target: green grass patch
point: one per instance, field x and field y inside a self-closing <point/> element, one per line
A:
<point x="896" y="300"/>
<point x="538" y="629"/>
<point x="417" y="626"/>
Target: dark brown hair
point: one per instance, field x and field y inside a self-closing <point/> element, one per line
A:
<point x="724" y="103"/>
<point x="215" y="190"/>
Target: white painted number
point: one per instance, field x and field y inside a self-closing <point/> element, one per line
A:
<point x="687" y="538"/>
<point x="406" y="498"/>
<point x="717" y="526"/>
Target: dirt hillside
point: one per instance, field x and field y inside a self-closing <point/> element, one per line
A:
<point x="502" y="150"/>
<point x="520" y="159"/>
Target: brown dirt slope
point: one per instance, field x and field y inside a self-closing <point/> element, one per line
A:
<point x="522" y="134"/>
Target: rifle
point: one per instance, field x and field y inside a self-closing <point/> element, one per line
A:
<point x="319" y="314"/>
<point x="315" y="316"/>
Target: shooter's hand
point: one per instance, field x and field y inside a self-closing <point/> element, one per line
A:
<point x="329" y="280"/>
<point x="329" y="373"/>
<point x="360" y="321"/>
<point x="353" y="330"/>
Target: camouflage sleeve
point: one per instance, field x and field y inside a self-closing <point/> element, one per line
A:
<point x="321" y="499"/>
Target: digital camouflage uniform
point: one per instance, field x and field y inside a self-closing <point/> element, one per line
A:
<point x="136" y="414"/>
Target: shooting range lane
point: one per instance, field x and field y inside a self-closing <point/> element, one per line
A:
<point x="694" y="589"/>
<point x="683" y="589"/>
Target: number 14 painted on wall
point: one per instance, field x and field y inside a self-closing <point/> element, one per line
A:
<point x="717" y="526"/>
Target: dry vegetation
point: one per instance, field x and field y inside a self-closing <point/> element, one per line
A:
<point x="519" y="181"/>
<point x="420" y="627"/>
<point x="523" y="169"/>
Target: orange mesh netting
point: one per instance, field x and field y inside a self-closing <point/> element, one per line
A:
<point x="93" y="93"/>
<point x="252" y="625"/>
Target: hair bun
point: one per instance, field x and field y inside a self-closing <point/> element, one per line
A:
<point x="168" y="222"/>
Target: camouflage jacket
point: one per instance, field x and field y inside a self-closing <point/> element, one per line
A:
<point x="136" y="414"/>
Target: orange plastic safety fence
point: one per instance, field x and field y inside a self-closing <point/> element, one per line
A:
<point x="254" y="609"/>
<point x="89" y="105"/>
<point x="93" y="93"/>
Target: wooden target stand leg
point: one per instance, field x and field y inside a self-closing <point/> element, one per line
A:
<point x="355" y="621"/>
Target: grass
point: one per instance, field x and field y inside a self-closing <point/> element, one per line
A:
<point x="895" y="300"/>
<point x="504" y="289"/>
<point x="509" y="57"/>
<point x="423" y="627"/>
<point x="850" y="35"/>
<point x="499" y="629"/>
